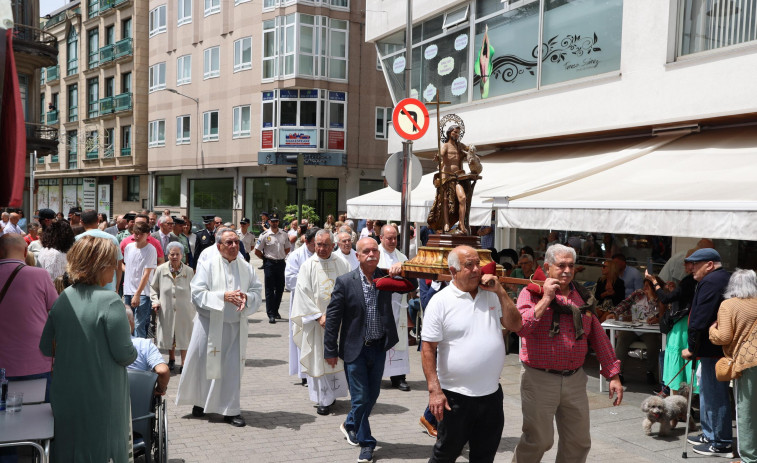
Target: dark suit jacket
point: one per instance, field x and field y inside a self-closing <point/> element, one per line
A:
<point x="704" y="311"/>
<point x="204" y="239"/>
<point x="345" y="317"/>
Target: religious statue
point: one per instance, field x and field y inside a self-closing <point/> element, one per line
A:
<point x="454" y="187"/>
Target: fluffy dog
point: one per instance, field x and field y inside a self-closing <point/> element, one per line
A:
<point x="668" y="411"/>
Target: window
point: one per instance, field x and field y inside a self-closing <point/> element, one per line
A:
<point x="305" y="45"/>
<point x="183" y="124"/>
<point x="93" y="47"/>
<point x="185" y="12"/>
<point x="92" y="144"/>
<point x="92" y="8"/>
<point x="212" y="62"/>
<point x="168" y="190"/>
<point x="72" y="48"/>
<point x="237" y="2"/>
<point x="184" y="70"/>
<point x="241" y="122"/>
<point x="156" y="134"/>
<point x="212" y="6"/>
<point x="243" y="54"/>
<point x="710" y="25"/>
<point x="210" y="126"/>
<point x="303" y="119"/>
<point x="73" y="103"/>
<point x="157" y="20"/>
<point x="109" y="139"/>
<point x="132" y="188"/>
<point x="157" y="77"/>
<point x="383" y="121"/>
<point x="336" y="4"/>
<point x="72" y="148"/>
<point x="126" y="140"/>
<point x="110" y="34"/>
<point x="126" y="28"/>
<point x="93" y="97"/>
<point x="455" y="17"/>
<point x="110" y="85"/>
<point x="126" y="82"/>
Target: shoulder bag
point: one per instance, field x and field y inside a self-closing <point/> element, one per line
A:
<point x="9" y="281"/>
<point x="725" y="368"/>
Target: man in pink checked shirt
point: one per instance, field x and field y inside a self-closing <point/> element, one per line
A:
<point x="555" y="343"/>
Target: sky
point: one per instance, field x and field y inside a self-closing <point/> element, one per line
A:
<point x="46" y="6"/>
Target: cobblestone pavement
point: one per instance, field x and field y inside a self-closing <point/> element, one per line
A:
<point x="282" y="425"/>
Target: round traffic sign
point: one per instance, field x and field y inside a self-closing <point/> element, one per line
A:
<point x="393" y="171"/>
<point x="410" y="119"/>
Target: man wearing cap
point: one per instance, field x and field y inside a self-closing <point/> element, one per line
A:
<point x="265" y="223"/>
<point x="273" y="248"/>
<point x="714" y="403"/>
<point x="164" y="235"/>
<point x="245" y="236"/>
<point x="74" y="216"/>
<point x="178" y="232"/>
<point x="205" y="238"/>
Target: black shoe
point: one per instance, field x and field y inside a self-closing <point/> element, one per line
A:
<point x="171" y="364"/>
<point x="304" y="382"/>
<point x="271" y="320"/>
<point x="402" y="386"/>
<point x="279" y="317"/>
<point x="651" y="380"/>
<point x="366" y="455"/>
<point x="323" y="410"/>
<point x="181" y="369"/>
<point x="349" y="435"/>
<point x="199" y="412"/>
<point x="698" y="439"/>
<point x="710" y="449"/>
<point x="237" y="421"/>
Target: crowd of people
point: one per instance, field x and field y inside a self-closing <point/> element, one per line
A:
<point x="99" y="298"/>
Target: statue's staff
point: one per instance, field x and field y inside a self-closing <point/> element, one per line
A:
<point x="445" y="211"/>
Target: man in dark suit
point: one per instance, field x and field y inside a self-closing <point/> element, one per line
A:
<point x="164" y="235"/>
<point x="205" y="238"/>
<point x="361" y="318"/>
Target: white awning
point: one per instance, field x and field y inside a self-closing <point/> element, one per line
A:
<point x="508" y="174"/>
<point x="702" y="184"/>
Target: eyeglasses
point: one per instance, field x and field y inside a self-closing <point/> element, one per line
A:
<point x="230" y="243"/>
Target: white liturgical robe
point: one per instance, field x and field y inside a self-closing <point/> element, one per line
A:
<point x="315" y="282"/>
<point x="295" y="259"/>
<point x="397" y="359"/>
<point x="212" y="376"/>
<point x="351" y="258"/>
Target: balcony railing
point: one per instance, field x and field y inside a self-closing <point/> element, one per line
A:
<point x="41" y="138"/>
<point x="92" y="154"/>
<point x="52" y="117"/>
<point x="108" y="151"/>
<point x="40" y="46"/>
<point x="106" y="54"/>
<point x="106" y="105"/>
<point x="53" y="73"/>
<point x="126" y="151"/>
<point x="123" y="47"/>
<point x="122" y="102"/>
<point x="93" y="109"/>
<point x="106" y="5"/>
<point x="119" y="2"/>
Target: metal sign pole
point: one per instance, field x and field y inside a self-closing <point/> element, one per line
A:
<point x="407" y="145"/>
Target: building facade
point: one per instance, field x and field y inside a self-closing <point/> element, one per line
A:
<point x="236" y="86"/>
<point x="96" y="95"/>
<point x="536" y="80"/>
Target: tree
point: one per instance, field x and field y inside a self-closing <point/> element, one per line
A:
<point x="307" y="213"/>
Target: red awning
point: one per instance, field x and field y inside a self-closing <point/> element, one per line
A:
<point x="12" y="132"/>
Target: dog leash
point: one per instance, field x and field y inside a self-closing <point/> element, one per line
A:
<point x="661" y="393"/>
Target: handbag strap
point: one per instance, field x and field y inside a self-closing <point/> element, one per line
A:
<point x="8" y="283"/>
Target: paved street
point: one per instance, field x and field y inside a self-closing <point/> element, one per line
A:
<point x="282" y="425"/>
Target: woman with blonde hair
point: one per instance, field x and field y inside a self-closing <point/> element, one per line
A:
<point x="329" y="225"/>
<point x="736" y="330"/>
<point x="172" y="301"/>
<point x="87" y="333"/>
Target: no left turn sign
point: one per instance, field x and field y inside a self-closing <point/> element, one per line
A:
<point x="410" y="119"/>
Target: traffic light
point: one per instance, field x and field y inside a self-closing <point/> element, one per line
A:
<point x="298" y="170"/>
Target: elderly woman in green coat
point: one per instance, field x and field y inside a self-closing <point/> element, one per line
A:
<point x="88" y="334"/>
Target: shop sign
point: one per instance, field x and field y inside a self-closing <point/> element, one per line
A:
<point x="267" y="139"/>
<point x="298" y="138"/>
<point x="336" y="140"/>
<point x="89" y="193"/>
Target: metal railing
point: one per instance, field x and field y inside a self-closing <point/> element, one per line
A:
<point x="106" y="5"/>
<point x="52" y="117"/>
<point x="106" y="54"/>
<point x="53" y="73"/>
<point x="34" y="34"/>
<point x="122" y="102"/>
<point x="108" y="151"/>
<point x="123" y="47"/>
<point x="106" y="105"/>
<point x="126" y="151"/>
<point x="92" y="154"/>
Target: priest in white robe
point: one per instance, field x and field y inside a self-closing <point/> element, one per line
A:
<point x="397" y="363"/>
<point x="344" y="249"/>
<point x="295" y="259"/>
<point x="225" y="291"/>
<point x="312" y="296"/>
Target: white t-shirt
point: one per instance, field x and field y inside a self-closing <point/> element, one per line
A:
<point x="136" y="261"/>
<point x="471" y="351"/>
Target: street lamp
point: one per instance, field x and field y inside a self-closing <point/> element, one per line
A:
<point x="197" y="117"/>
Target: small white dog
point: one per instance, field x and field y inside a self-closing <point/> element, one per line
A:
<point x="668" y="411"/>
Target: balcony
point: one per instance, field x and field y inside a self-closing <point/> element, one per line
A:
<point x="41" y="138"/>
<point x="39" y="47"/>
<point x="106" y="5"/>
<point x="122" y="102"/>
<point x="53" y="73"/>
<point x="123" y="48"/>
<point x="120" y="3"/>
<point x="106" y="105"/>
<point x="106" y="54"/>
<point x="52" y="117"/>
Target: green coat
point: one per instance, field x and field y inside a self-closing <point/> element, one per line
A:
<point x="90" y="390"/>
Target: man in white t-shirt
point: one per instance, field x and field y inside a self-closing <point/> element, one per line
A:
<point x="345" y="251"/>
<point x="463" y="354"/>
<point x="140" y="259"/>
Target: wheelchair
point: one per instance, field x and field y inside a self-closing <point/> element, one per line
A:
<point x="149" y="424"/>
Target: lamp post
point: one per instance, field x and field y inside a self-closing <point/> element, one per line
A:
<point x="197" y="117"/>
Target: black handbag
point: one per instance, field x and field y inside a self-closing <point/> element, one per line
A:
<point x="670" y="317"/>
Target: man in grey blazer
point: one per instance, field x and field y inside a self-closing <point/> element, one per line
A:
<point x="361" y="318"/>
<point x="164" y="235"/>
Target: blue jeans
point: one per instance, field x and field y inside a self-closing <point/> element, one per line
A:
<point x="714" y="406"/>
<point x="364" y="379"/>
<point x="141" y="315"/>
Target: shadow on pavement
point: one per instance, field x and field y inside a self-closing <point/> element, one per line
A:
<point x="387" y="409"/>
<point x="259" y="363"/>
<point x="263" y="335"/>
<point x="277" y="419"/>
<point x="385" y="450"/>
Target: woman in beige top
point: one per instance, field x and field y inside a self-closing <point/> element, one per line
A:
<point x="736" y="325"/>
<point x="171" y="300"/>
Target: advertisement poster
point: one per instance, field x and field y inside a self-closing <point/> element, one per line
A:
<point x="267" y="139"/>
<point x="336" y="140"/>
<point x="103" y="200"/>
<point x="69" y="198"/>
<point x="298" y="138"/>
<point x="89" y="193"/>
<point x="42" y="200"/>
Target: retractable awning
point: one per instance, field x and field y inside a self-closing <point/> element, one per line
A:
<point x="703" y="184"/>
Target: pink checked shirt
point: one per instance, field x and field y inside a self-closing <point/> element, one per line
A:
<point x="563" y="351"/>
